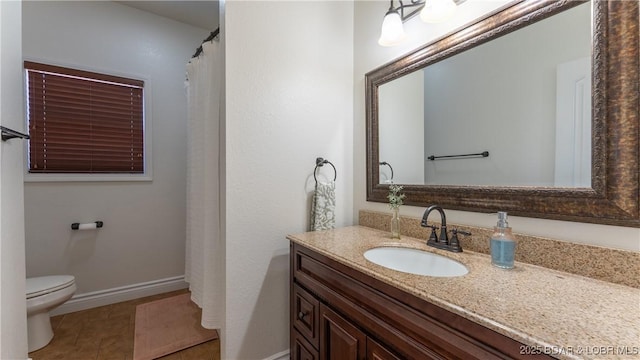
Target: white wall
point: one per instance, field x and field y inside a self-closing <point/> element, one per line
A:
<point x="13" y="312"/>
<point x="289" y="99"/>
<point x="401" y="107"/>
<point x="144" y="231"/>
<point x="369" y="55"/>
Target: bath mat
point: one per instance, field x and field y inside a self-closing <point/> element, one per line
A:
<point x="168" y="325"/>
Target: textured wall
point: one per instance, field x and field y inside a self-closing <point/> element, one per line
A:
<point x="13" y="324"/>
<point x="143" y="236"/>
<point x="289" y="99"/>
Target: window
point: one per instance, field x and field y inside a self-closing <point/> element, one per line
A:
<point x="83" y="122"/>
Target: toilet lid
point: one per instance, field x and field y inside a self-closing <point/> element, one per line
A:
<point x="42" y="285"/>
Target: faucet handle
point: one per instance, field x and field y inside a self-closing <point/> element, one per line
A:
<point x="454" y="243"/>
<point x="456" y="231"/>
<point x="433" y="236"/>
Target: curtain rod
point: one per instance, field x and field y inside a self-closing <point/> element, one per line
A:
<point x="211" y="36"/>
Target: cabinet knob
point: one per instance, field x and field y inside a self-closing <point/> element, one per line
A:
<point x="301" y="315"/>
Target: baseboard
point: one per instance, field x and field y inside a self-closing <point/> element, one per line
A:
<point x="124" y="293"/>
<point x="283" y="355"/>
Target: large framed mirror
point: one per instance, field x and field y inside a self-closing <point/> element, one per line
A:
<point x="531" y="110"/>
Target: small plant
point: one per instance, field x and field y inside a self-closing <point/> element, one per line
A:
<point x="395" y="197"/>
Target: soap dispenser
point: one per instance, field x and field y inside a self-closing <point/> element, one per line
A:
<point x="503" y="244"/>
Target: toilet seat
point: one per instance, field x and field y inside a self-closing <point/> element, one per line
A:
<point x="42" y="285"/>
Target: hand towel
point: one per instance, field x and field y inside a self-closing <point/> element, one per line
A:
<point x="323" y="206"/>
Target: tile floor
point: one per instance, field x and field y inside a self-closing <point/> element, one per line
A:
<point x="106" y="333"/>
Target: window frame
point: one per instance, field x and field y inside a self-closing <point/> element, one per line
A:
<point x="147" y="175"/>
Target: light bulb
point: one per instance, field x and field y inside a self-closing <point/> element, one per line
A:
<point x="392" y="29"/>
<point x="436" y="11"/>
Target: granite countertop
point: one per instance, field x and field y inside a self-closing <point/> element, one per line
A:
<point x="564" y="315"/>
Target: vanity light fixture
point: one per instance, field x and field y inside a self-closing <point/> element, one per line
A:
<point x="431" y="11"/>
<point x="392" y="29"/>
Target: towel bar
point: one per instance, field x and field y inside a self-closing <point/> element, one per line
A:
<point x="482" y="154"/>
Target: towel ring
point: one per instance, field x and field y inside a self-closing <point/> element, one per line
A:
<point x="319" y="163"/>
<point x="389" y="165"/>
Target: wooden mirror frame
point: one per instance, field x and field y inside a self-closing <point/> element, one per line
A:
<point x="614" y="196"/>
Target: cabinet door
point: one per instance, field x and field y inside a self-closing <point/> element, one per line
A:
<point x="302" y="349"/>
<point x="340" y="340"/>
<point x="376" y="351"/>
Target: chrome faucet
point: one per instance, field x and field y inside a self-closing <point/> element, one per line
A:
<point x="442" y="242"/>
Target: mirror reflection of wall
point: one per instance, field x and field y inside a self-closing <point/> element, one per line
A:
<point x="524" y="97"/>
<point x="401" y="101"/>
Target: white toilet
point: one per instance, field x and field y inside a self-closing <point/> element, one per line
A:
<point x="45" y="293"/>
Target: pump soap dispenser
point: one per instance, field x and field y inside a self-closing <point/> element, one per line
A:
<point x="503" y="244"/>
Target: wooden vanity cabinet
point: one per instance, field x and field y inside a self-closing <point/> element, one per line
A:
<point x="338" y="312"/>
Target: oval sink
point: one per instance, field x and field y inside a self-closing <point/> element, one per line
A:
<point x="416" y="262"/>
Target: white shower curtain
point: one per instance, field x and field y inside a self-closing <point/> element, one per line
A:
<point x="204" y="256"/>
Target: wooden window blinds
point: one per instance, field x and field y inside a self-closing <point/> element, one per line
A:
<point x="83" y="122"/>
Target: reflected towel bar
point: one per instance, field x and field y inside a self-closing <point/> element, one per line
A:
<point x="482" y="154"/>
